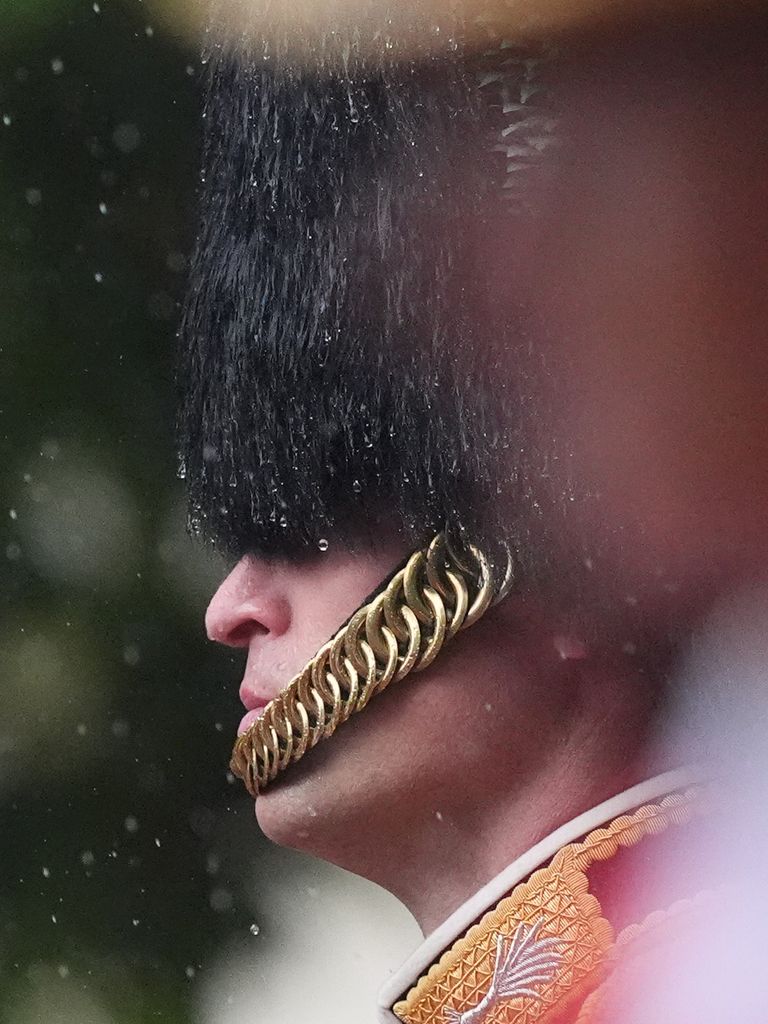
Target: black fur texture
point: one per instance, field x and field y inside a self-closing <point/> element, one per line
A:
<point x="337" y="373"/>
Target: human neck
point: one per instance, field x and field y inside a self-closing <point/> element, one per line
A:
<point x="458" y="850"/>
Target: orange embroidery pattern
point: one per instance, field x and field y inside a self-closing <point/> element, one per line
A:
<point x="556" y="900"/>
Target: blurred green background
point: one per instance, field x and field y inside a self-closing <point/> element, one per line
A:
<point x="117" y="717"/>
<point x="131" y="871"/>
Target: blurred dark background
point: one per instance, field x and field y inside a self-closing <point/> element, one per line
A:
<point x="134" y="886"/>
<point x="117" y="716"/>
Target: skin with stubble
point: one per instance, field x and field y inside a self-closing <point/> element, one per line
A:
<point x="640" y="291"/>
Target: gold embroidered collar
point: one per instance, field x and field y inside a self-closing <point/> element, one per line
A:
<point x="545" y="945"/>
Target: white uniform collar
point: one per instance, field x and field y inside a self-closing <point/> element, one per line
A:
<point x="458" y="923"/>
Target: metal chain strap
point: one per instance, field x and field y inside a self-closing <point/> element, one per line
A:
<point x="440" y="591"/>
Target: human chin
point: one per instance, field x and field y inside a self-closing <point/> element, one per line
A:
<point x="297" y="807"/>
<point x="343" y="787"/>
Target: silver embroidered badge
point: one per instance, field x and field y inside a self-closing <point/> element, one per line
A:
<point x="523" y="961"/>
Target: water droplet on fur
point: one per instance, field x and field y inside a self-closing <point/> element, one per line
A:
<point x="323" y="544"/>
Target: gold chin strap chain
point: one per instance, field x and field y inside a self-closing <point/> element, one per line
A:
<point x="440" y="591"/>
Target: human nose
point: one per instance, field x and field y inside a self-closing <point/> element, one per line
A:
<point x="246" y="605"/>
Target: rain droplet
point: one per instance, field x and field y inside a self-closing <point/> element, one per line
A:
<point x="87" y="859"/>
<point x="176" y="261"/>
<point x="57" y="65"/>
<point x="13" y="514"/>
<point x="7" y="120"/>
<point x="63" y="971"/>
<point x="34" y="196"/>
<point x="131" y="654"/>
<point x="98" y="277"/>
<point x="97" y="9"/>
<point x="254" y="929"/>
<point x="82" y="729"/>
<point x="103" y="208"/>
<point x="220" y="900"/>
<point x="135" y="922"/>
<point x="149" y="31"/>
<point x="323" y="544"/>
<point x="46" y="872"/>
<point x="126" y="137"/>
<point x="189" y="971"/>
<point x="131" y="824"/>
<point x="570" y="648"/>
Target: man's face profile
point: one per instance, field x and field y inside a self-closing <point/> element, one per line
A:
<point x="412" y="304"/>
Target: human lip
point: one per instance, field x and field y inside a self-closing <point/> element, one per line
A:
<point x="250" y="717"/>
<point x="260" y="684"/>
<point x="255" y="694"/>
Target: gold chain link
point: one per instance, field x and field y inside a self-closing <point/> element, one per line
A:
<point x="440" y="591"/>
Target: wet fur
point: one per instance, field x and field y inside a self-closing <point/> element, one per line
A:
<point x="332" y="372"/>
